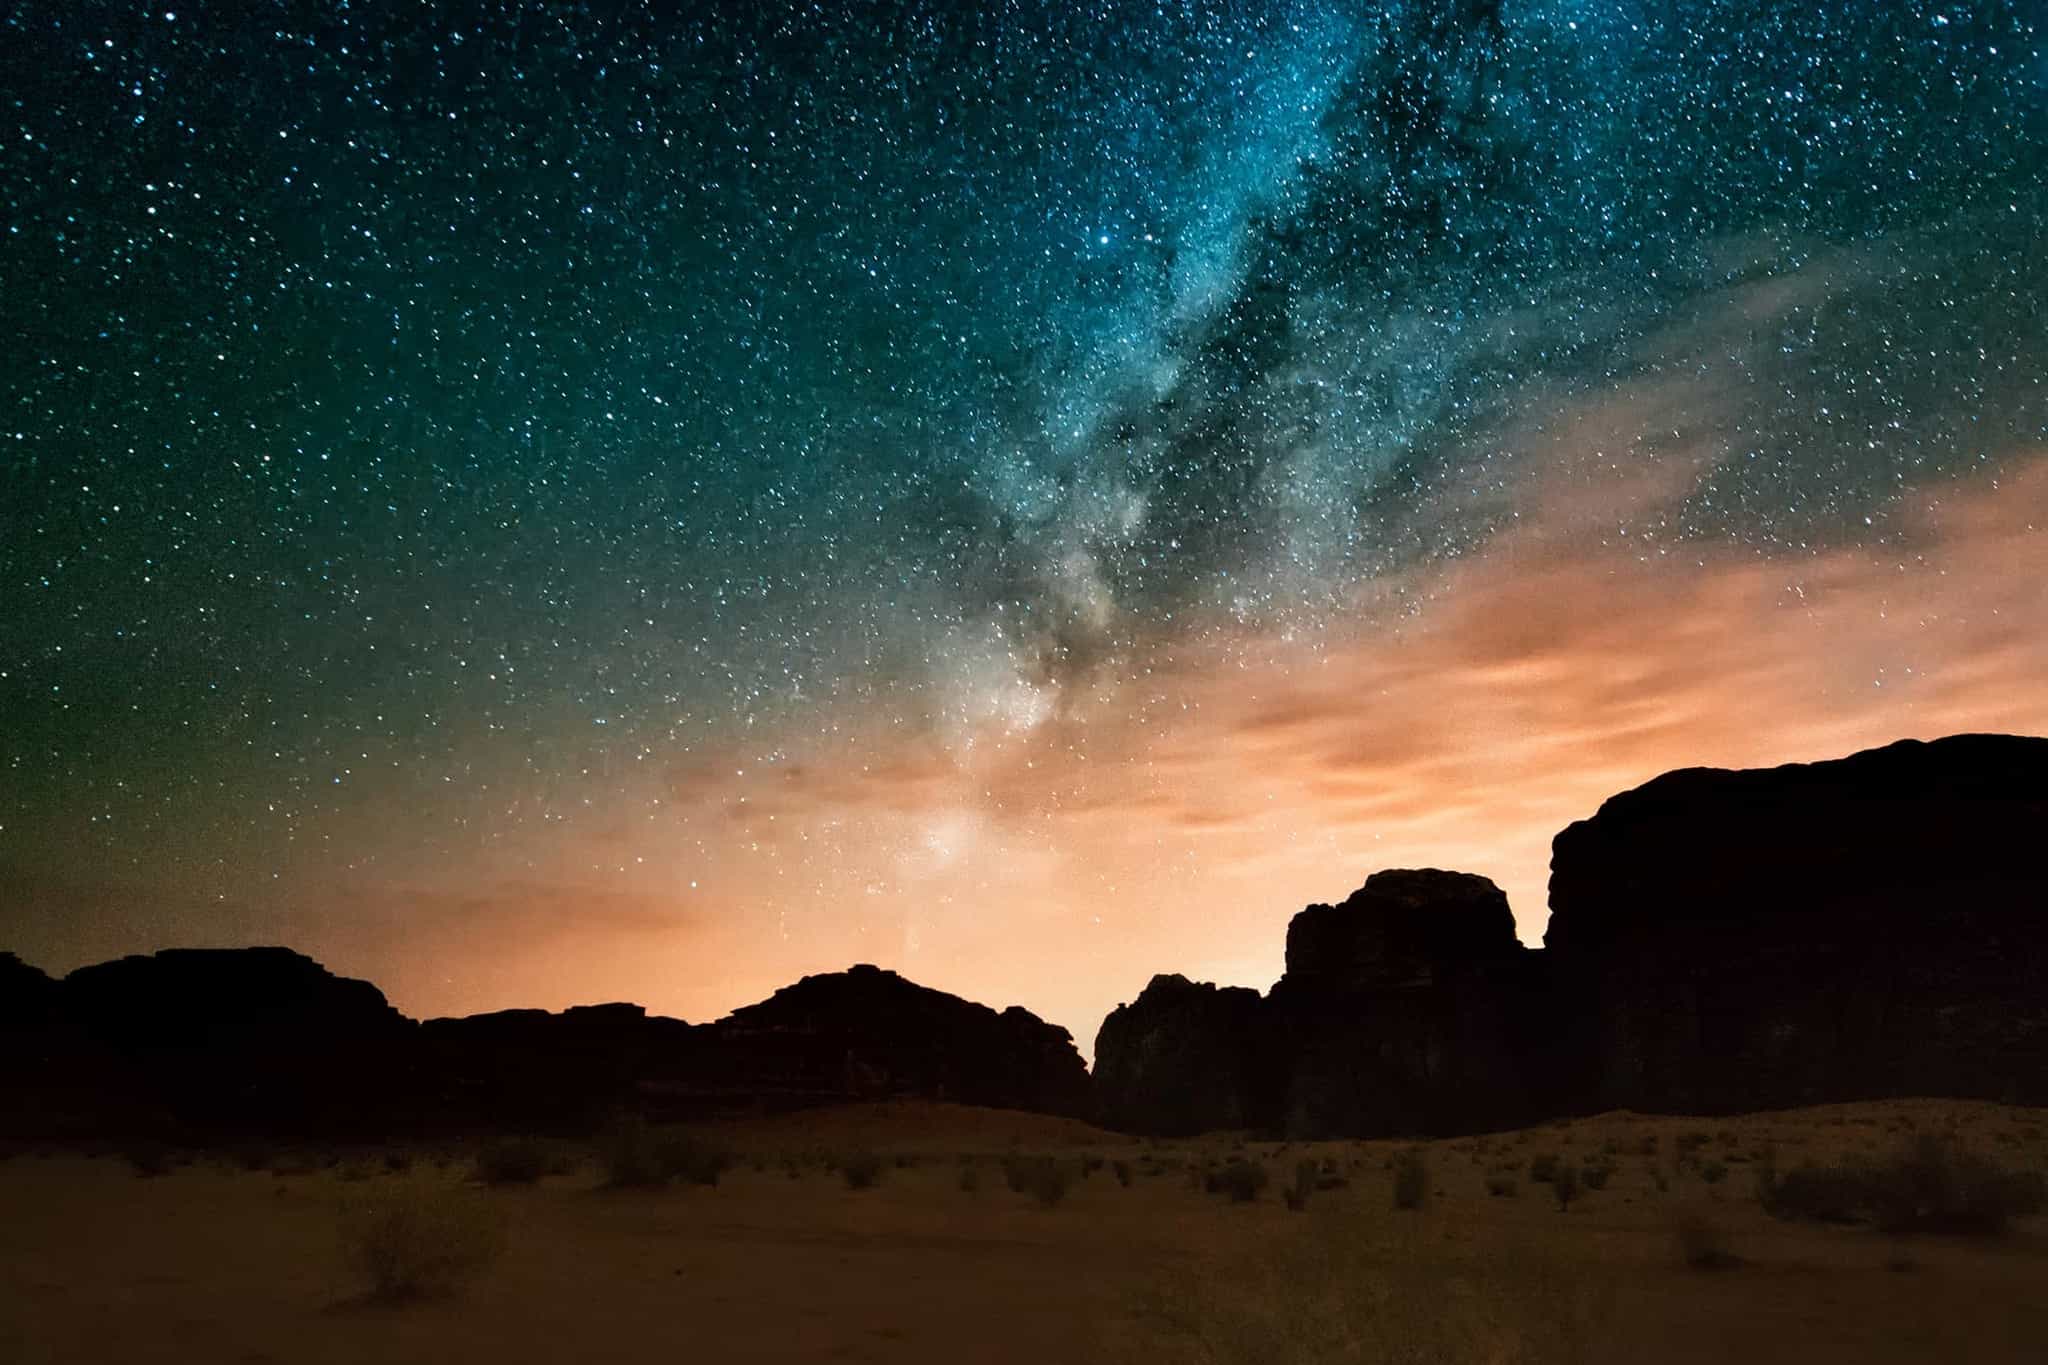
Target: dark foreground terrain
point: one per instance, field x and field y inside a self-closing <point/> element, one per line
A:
<point x="1113" y="1249"/>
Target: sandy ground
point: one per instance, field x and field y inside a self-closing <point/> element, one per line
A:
<point x="218" y="1264"/>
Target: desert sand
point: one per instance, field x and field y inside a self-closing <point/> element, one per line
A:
<point x="781" y="1261"/>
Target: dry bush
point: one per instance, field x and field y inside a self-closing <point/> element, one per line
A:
<point x="1041" y="1177"/>
<point x="861" y="1170"/>
<point x="1501" y="1185"/>
<point x="1240" y="1179"/>
<point x="1332" y="1294"/>
<point x="1543" y="1168"/>
<point x="1930" y="1185"/>
<point x="1702" y="1245"/>
<point x="1411" y="1180"/>
<point x="417" y="1238"/>
<point x="515" y="1161"/>
<point x="147" y="1157"/>
<point x="1564" y="1183"/>
<point x="1306" y="1177"/>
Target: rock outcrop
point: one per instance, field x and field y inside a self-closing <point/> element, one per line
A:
<point x="562" y="1072"/>
<point x="205" y="1039"/>
<point x="1875" y="925"/>
<point x="1719" y="941"/>
<point x="1410" y="1008"/>
<point x="27" y="994"/>
<point x="869" y="1033"/>
<point x="207" y="1043"/>
<point x="1183" y="1058"/>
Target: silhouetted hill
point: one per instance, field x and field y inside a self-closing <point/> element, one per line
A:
<point x="211" y="1042"/>
<point x="1868" y="927"/>
<point x="870" y="1033"/>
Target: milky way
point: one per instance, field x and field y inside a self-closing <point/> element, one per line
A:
<point x="450" y="457"/>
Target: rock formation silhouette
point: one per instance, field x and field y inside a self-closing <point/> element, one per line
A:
<point x="1719" y="941"/>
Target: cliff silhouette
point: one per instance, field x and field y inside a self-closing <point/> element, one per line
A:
<point x="1720" y="941"/>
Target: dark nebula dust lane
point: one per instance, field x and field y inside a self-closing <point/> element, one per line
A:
<point x="536" y="504"/>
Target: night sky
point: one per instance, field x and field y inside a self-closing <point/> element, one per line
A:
<point x="536" y="503"/>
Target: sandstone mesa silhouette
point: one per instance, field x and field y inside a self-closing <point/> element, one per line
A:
<point x="1720" y="941"/>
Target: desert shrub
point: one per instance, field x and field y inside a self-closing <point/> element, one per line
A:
<point x="1411" y="1180"/>
<point x="417" y="1239"/>
<point x="514" y="1161"/>
<point x="970" y="1179"/>
<point x="1122" y="1170"/>
<point x="147" y="1157"/>
<point x="1307" y="1175"/>
<point x="861" y="1170"/>
<point x="692" y="1161"/>
<point x="398" y="1161"/>
<point x="1935" y="1186"/>
<point x="1318" y="1293"/>
<point x="1501" y="1185"/>
<point x="1564" y="1183"/>
<point x="1701" y="1243"/>
<point x="1714" y="1172"/>
<point x="1090" y="1164"/>
<point x="354" y="1172"/>
<point x="1543" y="1168"/>
<point x="1594" y="1174"/>
<point x="251" y="1156"/>
<point x="1047" y="1180"/>
<point x="1241" y="1180"/>
<point x="626" y="1153"/>
<point x="1815" y="1194"/>
<point x="1017" y="1172"/>
<point x="1931" y="1185"/>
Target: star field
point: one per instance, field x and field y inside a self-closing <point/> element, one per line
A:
<point x="454" y="457"/>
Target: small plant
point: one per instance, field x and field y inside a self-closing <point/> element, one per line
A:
<point x="970" y="1179"/>
<point x="1543" y="1168"/>
<point x="1594" y="1174"/>
<point x="1701" y="1244"/>
<point x="1241" y="1180"/>
<point x="1564" y="1183"/>
<point x="1501" y="1185"/>
<point x="1306" y="1176"/>
<point x="1411" y="1180"/>
<point x="513" y="1161"/>
<point x="1935" y="1186"/>
<point x="627" y="1154"/>
<point x="252" y="1156"/>
<point x="1929" y="1186"/>
<point x="147" y="1157"/>
<point x="1714" y="1172"/>
<point x="1122" y="1171"/>
<point x="419" y="1240"/>
<point x="691" y="1161"/>
<point x="861" y="1170"/>
<point x="1047" y="1180"/>
<point x="397" y="1161"/>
